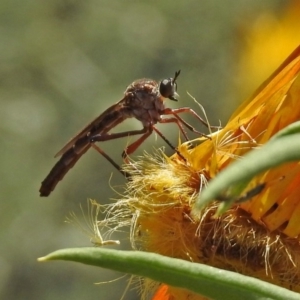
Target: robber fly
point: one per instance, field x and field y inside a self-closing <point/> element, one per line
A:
<point x="144" y="100"/>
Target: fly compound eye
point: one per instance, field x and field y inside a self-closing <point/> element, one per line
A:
<point x="168" y="87"/>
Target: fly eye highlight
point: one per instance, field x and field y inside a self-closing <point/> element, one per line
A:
<point x="168" y="87"/>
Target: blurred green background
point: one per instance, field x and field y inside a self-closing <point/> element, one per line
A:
<point x="62" y="63"/>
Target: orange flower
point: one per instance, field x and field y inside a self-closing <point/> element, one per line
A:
<point x="274" y="106"/>
<point x="257" y="238"/>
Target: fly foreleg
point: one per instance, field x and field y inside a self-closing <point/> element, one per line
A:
<point x="176" y="111"/>
<point x="178" y="122"/>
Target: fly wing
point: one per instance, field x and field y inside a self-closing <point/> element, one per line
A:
<point x="97" y="122"/>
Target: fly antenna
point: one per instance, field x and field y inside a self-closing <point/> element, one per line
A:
<point x="176" y="76"/>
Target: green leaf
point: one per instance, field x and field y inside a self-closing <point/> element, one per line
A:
<point x="230" y="182"/>
<point x="202" y="279"/>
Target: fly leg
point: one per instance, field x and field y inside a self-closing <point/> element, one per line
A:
<point x="112" y="136"/>
<point x="176" y="111"/>
<point x="168" y="142"/>
<point x="174" y="120"/>
<point x="107" y="157"/>
<point x="130" y="149"/>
